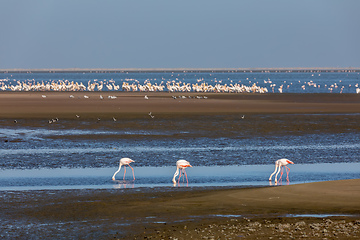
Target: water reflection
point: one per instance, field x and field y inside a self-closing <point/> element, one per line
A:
<point x="183" y="184"/>
<point x="278" y="183"/>
<point x="123" y="184"/>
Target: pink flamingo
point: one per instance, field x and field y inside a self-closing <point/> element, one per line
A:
<point x="279" y="164"/>
<point x="181" y="164"/>
<point x="124" y="162"/>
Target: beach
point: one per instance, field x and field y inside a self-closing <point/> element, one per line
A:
<point x="316" y="210"/>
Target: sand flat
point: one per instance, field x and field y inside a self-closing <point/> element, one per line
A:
<point x="169" y="212"/>
<point x="33" y="105"/>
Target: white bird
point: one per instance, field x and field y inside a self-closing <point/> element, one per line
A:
<point x="114" y="119"/>
<point x="124" y="162"/>
<point x="279" y="164"/>
<point x="181" y="165"/>
<point x="146" y="97"/>
<point x="43" y="96"/>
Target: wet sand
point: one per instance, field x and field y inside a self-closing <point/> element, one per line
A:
<point x="182" y="213"/>
<point x="59" y="104"/>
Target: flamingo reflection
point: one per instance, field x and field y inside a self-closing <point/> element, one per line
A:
<point x="124" y="184"/>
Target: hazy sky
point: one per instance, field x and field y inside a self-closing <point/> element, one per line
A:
<point x="177" y="34"/>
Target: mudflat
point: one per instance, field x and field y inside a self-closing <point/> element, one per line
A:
<point x="184" y="213"/>
<point x="90" y="104"/>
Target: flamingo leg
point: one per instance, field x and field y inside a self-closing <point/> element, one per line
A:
<point x="132" y="171"/>
<point x="124" y="172"/>
<point x="181" y="174"/>
<point x="186" y="177"/>
<point x="282" y="172"/>
<point x="279" y="169"/>
<point x="287" y="173"/>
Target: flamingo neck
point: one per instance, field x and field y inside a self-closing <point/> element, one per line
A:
<point x="175" y="174"/>
<point x="117" y="171"/>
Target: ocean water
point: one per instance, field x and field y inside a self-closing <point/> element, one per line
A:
<point x="289" y="82"/>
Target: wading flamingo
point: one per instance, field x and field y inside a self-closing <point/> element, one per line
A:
<point x="181" y="165"/>
<point x="279" y="164"/>
<point x="124" y="162"/>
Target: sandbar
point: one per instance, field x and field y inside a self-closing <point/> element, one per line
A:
<point x="90" y="105"/>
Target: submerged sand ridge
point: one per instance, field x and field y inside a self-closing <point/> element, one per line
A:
<point x="46" y="104"/>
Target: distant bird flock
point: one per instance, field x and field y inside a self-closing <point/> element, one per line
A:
<point x="168" y="86"/>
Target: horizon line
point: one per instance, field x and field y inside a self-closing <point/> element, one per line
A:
<point x="101" y="70"/>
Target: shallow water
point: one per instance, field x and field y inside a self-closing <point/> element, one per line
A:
<point x="225" y="150"/>
<point x="149" y="177"/>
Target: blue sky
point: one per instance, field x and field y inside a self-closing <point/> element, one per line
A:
<point x="179" y="34"/>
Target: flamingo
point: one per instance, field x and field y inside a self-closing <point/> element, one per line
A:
<point x="278" y="166"/>
<point x="124" y="162"/>
<point x="181" y="164"/>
